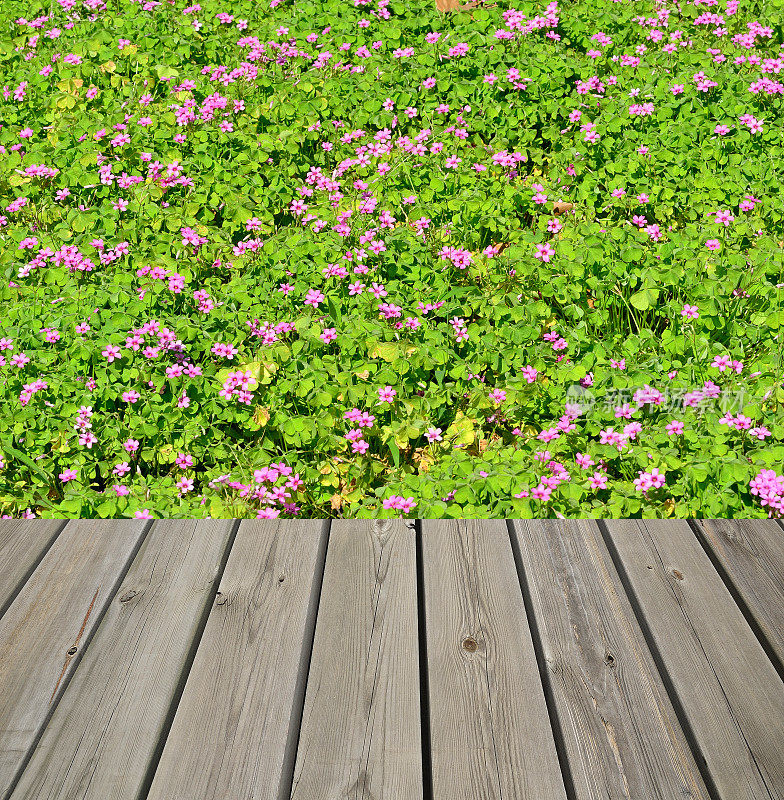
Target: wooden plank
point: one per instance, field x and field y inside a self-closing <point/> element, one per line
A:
<point x="23" y="544"/>
<point x="361" y="728"/>
<point x="232" y="733"/>
<point x="751" y="554"/>
<point x="490" y="731"/>
<point x="102" y="738"/>
<point x="50" y="622"/>
<point x="620" y="731"/>
<point x="728" y="689"/>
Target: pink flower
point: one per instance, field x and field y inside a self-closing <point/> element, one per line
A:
<point x="657" y="478"/>
<point x="769" y="487"/>
<point x="497" y="396"/>
<point x="690" y="312"/>
<point x="544" y="251"/>
<point x="225" y="350"/>
<point x="642" y="482"/>
<point x="584" y="461"/>
<point x="713" y="245"/>
<point x="328" y="335"/>
<point x="131" y="445"/>
<point x="143" y="514"/>
<point x="87" y="439"/>
<point x="723" y="217"/>
<point x="529" y="373"/>
<point x="554" y="225"/>
<point x="183" y="460"/>
<point x="541" y="492"/>
<point x="433" y="435"/>
<point x="549" y="435"/>
<point x="598" y="481"/>
<point x="387" y="394"/>
<point x="721" y="363"/>
<point x="111" y="353"/>
<point x="68" y="475"/>
<point x="611" y="436"/>
<point x="674" y="428"/>
<point x="404" y="504"/>
<point x="649" y="480"/>
<point x="313" y="298"/>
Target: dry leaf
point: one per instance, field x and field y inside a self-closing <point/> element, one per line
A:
<point x="561" y="207"/>
<point x="454" y="5"/>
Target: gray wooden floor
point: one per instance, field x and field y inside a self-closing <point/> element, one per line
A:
<point x="273" y="660"/>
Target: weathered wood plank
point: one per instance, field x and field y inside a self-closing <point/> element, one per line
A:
<point x="751" y="553"/>
<point x="361" y="727"/>
<point x="728" y="689"/>
<point x="490" y="731"/>
<point x="22" y="545"/>
<point x="231" y="734"/>
<point x="102" y="738"/>
<point x="49" y="623"/>
<point x="620" y="731"/>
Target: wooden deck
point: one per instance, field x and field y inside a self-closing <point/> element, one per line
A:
<point x="274" y="660"/>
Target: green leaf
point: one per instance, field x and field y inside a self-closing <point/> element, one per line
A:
<point x="388" y="351"/>
<point x="644" y="299"/>
<point x="395" y="450"/>
<point x="25" y="459"/>
<point x="164" y="71"/>
<point x="461" y="431"/>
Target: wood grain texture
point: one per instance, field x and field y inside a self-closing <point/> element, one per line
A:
<point x="490" y="732"/>
<point x="751" y="553"/>
<point x="361" y="727"/>
<point x="49" y="623"/>
<point x="620" y="731"/>
<point x="230" y="736"/>
<point x="22" y="546"/>
<point x="102" y="737"/>
<point x="728" y="689"/>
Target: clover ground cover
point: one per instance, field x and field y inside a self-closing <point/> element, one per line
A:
<point x="364" y="258"/>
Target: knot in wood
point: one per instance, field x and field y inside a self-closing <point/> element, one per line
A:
<point x="72" y="651"/>
<point x="470" y="644"/>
